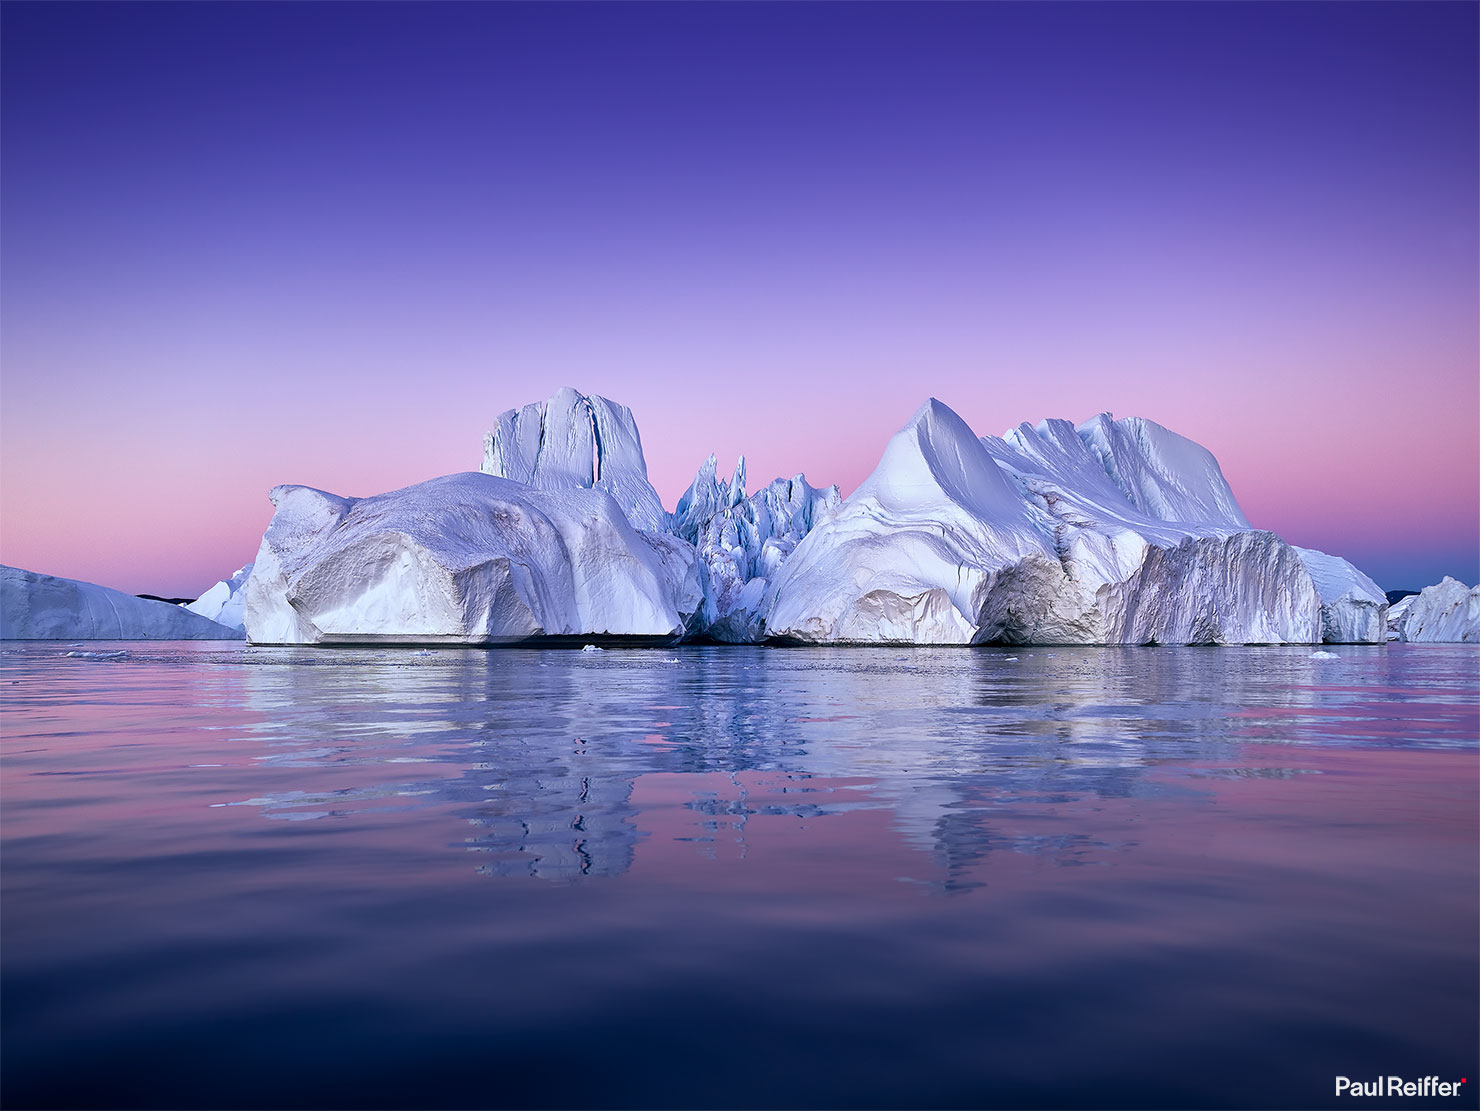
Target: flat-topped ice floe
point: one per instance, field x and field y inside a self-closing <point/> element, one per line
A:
<point x="467" y="558"/>
<point x="34" y="606"/>
<point x="1115" y="532"/>
<point x="1445" y="613"/>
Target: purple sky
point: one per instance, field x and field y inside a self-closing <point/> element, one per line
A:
<point x="247" y="244"/>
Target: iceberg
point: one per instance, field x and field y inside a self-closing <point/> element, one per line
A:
<point x="575" y="442"/>
<point x="1111" y="532"/>
<point x="225" y="603"/>
<point x="1115" y="532"/>
<point x="468" y="558"/>
<point x="34" y="606"/>
<point x="1395" y="614"/>
<point x="1445" y="613"/>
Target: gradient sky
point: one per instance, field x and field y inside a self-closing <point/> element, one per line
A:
<point x="249" y="244"/>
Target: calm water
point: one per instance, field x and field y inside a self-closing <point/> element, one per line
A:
<point x="737" y="877"/>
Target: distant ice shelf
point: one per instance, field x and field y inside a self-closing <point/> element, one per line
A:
<point x="34" y="606"/>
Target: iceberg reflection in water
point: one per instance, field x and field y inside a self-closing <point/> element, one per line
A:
<point x="735" y="876"/>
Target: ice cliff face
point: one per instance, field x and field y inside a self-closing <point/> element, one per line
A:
<point x="1115" y="532"/>
<point x="574" y="442"/>
<point x="225" y="603"/>
<point x="1448" y="612"/>
<point x="468" y="558"/>
<point x="43" y="607"/>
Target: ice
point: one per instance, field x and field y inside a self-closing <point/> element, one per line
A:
<point x="1162" y="474"/>
<point x="742" y="542"/>
<point x="225" y="603"/>
<point x="467" y="558"/>
<point x="1111" y="532"/>
<point x="1353" y="608"/>
<point x="1447" y="612"/>
<point x="34" y="606"/>
<point x="575" y="442"/>
<point x="1115" y="532"/>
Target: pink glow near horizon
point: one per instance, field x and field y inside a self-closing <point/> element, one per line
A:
<point x="214" y="284"/>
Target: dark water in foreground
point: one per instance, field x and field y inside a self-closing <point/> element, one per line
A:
<point x="737" y="877"/>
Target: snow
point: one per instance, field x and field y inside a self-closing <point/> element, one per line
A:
<point x="1114" y="532"/>
<point x="1447" y="612"/>
<point x="575" y="442"/>
<point x="467" y="558"/>
<point x="34" y="606"/>
<point x="225" y="603"/>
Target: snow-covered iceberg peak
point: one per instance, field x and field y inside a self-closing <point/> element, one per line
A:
<point x="1114" y="533"/>
<point x="1164" y="475"/>
<point x="936" y="462"/>
<point x="912" y="554"/>
<point x="576" y="442"/>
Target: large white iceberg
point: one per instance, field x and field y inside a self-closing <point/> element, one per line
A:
<point x="1112" y="532"/>
<point x="467" y="558"/>
<point x="225" y="603"/>
<point x="34" y="606"/>
<point x="1447" y="612"/>
<point x="1115" y="532"/>
<point x="575" y="442"/>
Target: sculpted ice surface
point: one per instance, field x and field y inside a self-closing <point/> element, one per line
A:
<point x="743" y="541"/>
<point x="1447" y="612"/>
<point x="574" y="442"/>
<point x="1112" y="533"/>
<point x="468" y="558"/>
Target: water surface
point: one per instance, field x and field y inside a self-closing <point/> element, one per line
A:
<point x="736" y="877"/>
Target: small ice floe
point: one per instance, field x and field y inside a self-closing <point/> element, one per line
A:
<point x="425" y="652"/>
<point x="1324" y="656"/>
<point x="121" y="654"/>
<point x="1009" y="659"/>
<point x="590" y="648"/>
